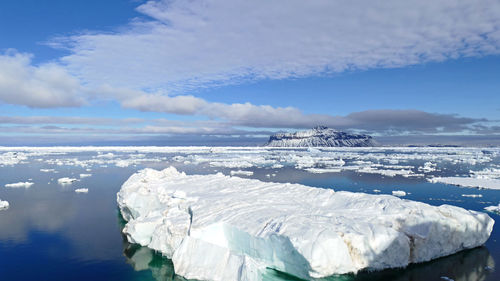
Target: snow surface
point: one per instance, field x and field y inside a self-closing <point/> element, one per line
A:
<point x="4" y="205"/>
<point x="19" y="184"/>
<point x="217" y="227"/>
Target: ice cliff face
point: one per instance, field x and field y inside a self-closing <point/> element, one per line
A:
<point x="217" y="227"/>
<point x="319" y="137"/>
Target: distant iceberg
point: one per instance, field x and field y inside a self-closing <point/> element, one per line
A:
<point x="320" y="136"/>
<point x="217" y="227"/>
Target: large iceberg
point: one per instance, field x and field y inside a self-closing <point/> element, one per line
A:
<point x="217" y="227"/>
<point x="320" y="136"/>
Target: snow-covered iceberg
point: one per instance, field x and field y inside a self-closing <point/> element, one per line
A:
<point x="217" y="227"/>
<point x="320" y="136"/>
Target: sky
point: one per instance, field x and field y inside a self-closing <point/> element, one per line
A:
<point x="232" y="71"/>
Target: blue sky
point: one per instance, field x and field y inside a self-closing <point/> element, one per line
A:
<point x="149" y="71"/>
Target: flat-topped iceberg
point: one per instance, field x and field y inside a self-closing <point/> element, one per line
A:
<point x="217" y="227"/>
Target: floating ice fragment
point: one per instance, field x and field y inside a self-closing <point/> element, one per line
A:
<point x="399" y="193"/>
<point x="4" y="205"/>
<point x="231" y="228"/>
<point x="19" y="184"/>
<point x="472" y="195"/>
<point x="241" y="173"/>
<point x="468" y="182"/>
<point x="85" y="175"/>
<point x="377" y="190"/>
<point x="495" y="209"/>
<point x="82" y="190"/>
<point x="66" y="181"/>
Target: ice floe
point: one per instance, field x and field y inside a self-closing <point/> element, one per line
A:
<point x="241" y="173"/>
<point x="82" y="190"/>
<point x="66" y="181"/>
<point x="468" y="182"/>
<point x="495" y="209"/>
<point x="85" y="175"/>
<point x="399" y="193"/>
<point x="4" y="205"/>
<point x="26" y="184"/>
<point x="472" y="195"/>
<point x="217" y="227"/>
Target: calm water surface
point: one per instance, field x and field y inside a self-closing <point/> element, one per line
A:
<point x="52" y="233"/>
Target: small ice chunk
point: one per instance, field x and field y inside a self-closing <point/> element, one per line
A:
<point x="241" y="173"/>
<point x="377" y="190"/>
<point x="82" y="190"/>
<point x="399" y="193"/>
<point x="85" y="175"/>
<point x="495" y="209"/>
<point x="66" y="181"/>
<point x="19" y="184"/>
<point x="48" y="170"/>
<point x="4" y="205"/>
<point x="472" y="195"/>
<point x="446" y="278"/>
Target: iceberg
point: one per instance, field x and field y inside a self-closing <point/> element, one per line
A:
<point x="217" y="227"/>
<point x="4" y="205"/>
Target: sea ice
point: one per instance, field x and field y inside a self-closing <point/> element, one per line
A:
<point x="399" y="193"/>
<point x="4" y="205"/>
<point x="85" y="175"/>
<point x="217" y="227"/>
<point x="241" y="173"/>
<point x="82" y="190"/>
<point x="66" y="181"/>
<point x="468" y="182"/>
<point x="495" y="209"/>
<point x="472" y="195"/>
<point x="19" y="184"/>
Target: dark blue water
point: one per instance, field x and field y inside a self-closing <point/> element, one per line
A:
<point x="52" y="233"/>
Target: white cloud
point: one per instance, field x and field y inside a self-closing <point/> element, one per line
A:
<point x="46" y="85"/>
<point x="190" y="44"/>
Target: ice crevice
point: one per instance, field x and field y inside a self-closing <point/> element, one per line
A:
<point x="217" y="227"/>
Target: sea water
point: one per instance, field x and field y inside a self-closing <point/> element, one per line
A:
<point x="50" y="232"/>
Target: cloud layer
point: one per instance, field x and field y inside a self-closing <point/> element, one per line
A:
<point x="185" y="45"/>
<point x="43" y="86"/>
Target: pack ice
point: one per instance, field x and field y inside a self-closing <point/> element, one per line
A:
<point x="217" y="227"/>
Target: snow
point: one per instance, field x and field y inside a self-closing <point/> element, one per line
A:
<point x="19" y="184"/>
<point x="495" y="209"/>
<point x="468" y="182"/>
<point x="82" y="190"/>
<point x="4" y="205"/>
<point x="217" y="227"/>
<point x="66" y="181"/>
<point x="399" y="193"/>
